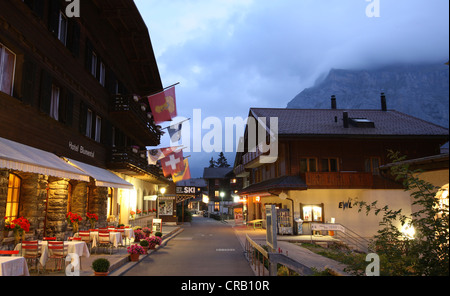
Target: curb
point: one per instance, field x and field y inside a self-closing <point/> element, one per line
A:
<point x="123" y="265"/>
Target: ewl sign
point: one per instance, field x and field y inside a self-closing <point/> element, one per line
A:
<point x="185" y="189"/>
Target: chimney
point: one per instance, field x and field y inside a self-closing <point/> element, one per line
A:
<point x="333" y="102"/>
<point x="345" y="119"/>
<point x="383" y="102"/>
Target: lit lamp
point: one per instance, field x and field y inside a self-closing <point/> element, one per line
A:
<point x="162" y="190"/>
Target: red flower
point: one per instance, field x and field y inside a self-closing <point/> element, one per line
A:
<point x="73" y="217"/>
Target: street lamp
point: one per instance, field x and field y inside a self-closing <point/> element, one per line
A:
<point x="162" y="190"/>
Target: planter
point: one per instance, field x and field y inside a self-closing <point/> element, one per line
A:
<point x="134" y="257"/>
<point x="146" y="249"/>
<point x="98" y="273"/>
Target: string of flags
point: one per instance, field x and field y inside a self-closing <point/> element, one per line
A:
<point x="163" y="106"/>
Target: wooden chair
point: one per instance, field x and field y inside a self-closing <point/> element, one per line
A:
<point x="86" y="237"/>
<point x="31" y="252"/>
<point x="49" y="238"/>
<point x="6" y="252"/>
<point x="104" y="240"/>
<point x="58" y="252"/>
<point x="74" y="238"/>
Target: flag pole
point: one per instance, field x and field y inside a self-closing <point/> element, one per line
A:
<point x="158" y="92"/>
<point x="174" y="124"/>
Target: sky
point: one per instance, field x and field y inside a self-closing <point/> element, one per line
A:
<point x="231" y="55"/>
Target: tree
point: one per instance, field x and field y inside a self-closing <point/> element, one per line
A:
<point x="427" y="252"/>
<point x="222" y="161"/>
<point x="212" y="163"/>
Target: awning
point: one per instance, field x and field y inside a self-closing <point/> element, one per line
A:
<point x="19" y="157"/>
<point x="103" y="178"/>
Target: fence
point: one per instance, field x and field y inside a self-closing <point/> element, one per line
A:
<point x="267" y="263"/>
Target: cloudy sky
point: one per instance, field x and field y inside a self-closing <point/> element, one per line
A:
<point x="231" y="55"/>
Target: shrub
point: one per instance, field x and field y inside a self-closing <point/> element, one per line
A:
<point x="101" y="265"/>
<point x="144" y="243"/>
<point x="158" y="234"/>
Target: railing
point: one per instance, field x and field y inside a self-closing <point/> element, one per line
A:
<point x="339" y="179"/>
<point x="250" y="156"/>
<point x="239" y="169"/>
<point x="121" y="103"/>
<point x="353" y="240"/>
<point x="264" y="262"/>
<point x="130" y="155"/>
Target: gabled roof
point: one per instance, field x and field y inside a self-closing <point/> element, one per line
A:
<point x="217" y="173"/>
<point x="322" y="122"/>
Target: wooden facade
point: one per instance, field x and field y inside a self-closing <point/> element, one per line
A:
<point x="77" y="87"/>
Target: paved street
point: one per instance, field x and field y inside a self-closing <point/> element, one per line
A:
<point x="205" y="248"/>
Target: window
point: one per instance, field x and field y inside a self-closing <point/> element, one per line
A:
<point x="89" y="123"/>
<point x="94" y="64"/>
<point x="233" y="181"/>
<point x="312" y="213"/>
<point x="7" y="67"/>
<point x="12" y="201"/>
<point x="102" y="74"/>
<point x="216" y="193"/>
<point x="216" y="207"/>
<point x="62" y="28"/>
<point x="54" y="102"/>
<point x="308" y="165"/>
<point x="372" y="164"/>
<point x="98" y="128"/>
<point x="329" y="165"/>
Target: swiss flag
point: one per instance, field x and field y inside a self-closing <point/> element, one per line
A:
<point x="173" y="163"/>
<point x="163" y="105"/>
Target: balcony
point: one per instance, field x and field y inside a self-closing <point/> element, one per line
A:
<point x="240" y="171"/>
<point x="133" y="162"/>
<point x="134" y="121"/>
<point x="339" y="180"/>
<point x="253" y="159"/>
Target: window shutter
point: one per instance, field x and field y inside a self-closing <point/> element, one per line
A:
<point x="28" y="82"/>
<point x="69" y="109"/>
<point x="53" y="17"/>
<point x="45" y="92"/>
<point x="83" y="118"/>
<point x="88" y="57"/>
<point x="73" y="37"/>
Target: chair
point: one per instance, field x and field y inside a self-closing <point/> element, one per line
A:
<point x="104" y="240"/>
<point x="3" y="252"/>
<point x="30" y="251"/>
<point x="58" y="252"/>
<point x="74" y="238"/>
<point x="86" y="237"/>
<point x="49" y="238"/>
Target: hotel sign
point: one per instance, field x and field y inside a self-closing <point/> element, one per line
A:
<point x="185" y="189"/>
<point x="81" y="149"/>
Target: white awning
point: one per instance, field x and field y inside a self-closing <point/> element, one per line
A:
<point x="19" y="157"/>
<point x="103" y="178"/>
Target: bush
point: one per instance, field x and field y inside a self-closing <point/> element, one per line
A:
<point x="158" y="234"/>
<point x="144" y="243"/>
<point x="101" y="265"/>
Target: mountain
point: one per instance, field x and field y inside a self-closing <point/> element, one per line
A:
<point x="418" y="90"/>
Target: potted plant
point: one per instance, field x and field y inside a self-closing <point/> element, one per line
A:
<point x="101" y="266"/>
<point x="147" y="231"/>
<point x="92" y="218"/>
<point x="7" y="228"/>
<point x="153" y="241"/>
<point x="19" y="226"/>
<point x="158" y="233"/>
<point x="135" y="250"/>
<point x="145" y="244"/>
<point x="138" y="235"/>
<point x="73" y="219"/>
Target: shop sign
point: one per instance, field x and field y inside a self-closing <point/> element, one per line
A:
<point x="344" y="205"/>
<point x="81" y="149"/>
<point x="157" y="225"/>
<point x="185" y="190"/>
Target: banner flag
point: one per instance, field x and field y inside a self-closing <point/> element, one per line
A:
<point x="163" y="105"/>
<point x="175" y="132"/>
<point x="173" y="163"/>
<point x="184" y="174"/>
<point x="153" y="155"/>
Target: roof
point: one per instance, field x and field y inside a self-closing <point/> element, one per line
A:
<point x="197" y="182"/>
<point x="217" y="173"/>
<point x="316" y="122"/>
<point x="284" y="182"/>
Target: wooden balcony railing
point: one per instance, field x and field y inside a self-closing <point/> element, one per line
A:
<point x="339" y="179"/>
<point x="124" y="158"/>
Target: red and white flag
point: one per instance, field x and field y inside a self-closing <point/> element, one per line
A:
<point x="163" y="105"/>
<point x="173" y="163"/>
<point x="153" y="155"/>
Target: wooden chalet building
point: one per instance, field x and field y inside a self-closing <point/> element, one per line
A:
<point x="71" y="113"/>
<point x="329" y="158"/>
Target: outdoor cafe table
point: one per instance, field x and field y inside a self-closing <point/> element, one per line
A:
<point x="114" y="237"/>
<point x="78" y="247"/>
<point x="13" y="266"/>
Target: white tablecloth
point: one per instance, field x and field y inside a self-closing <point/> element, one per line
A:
<point x="13" y="266"/>
<point x="114" y="237"/>
<point x="78" y="247"/>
